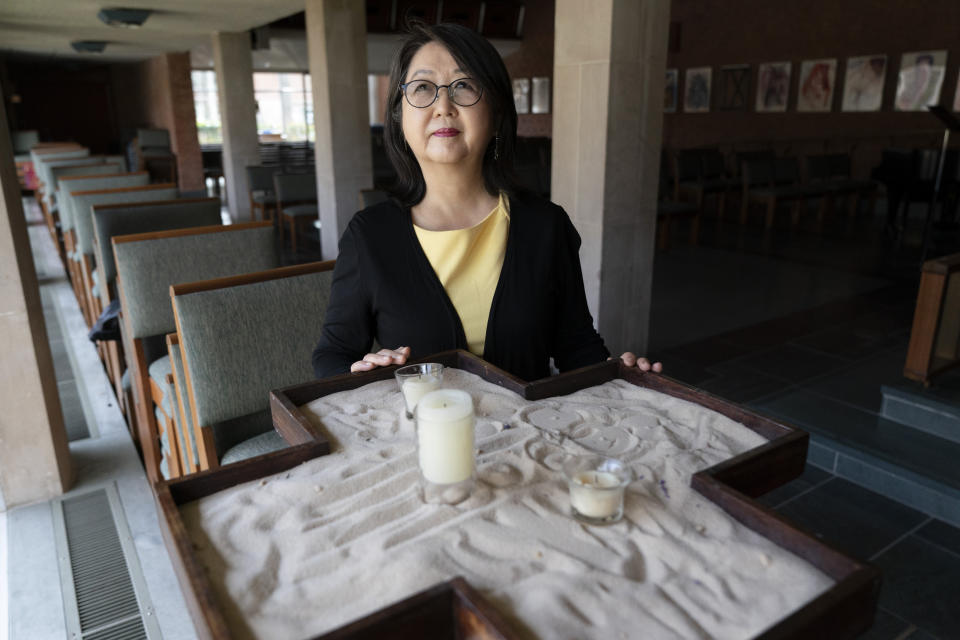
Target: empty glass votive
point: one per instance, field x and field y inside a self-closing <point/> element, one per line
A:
<point x="416" y="380"/>
<point x="445" y="445"/>
<point x="596" y="488"/>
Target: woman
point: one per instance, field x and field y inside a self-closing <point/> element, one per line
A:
<point x="460" y="258"/>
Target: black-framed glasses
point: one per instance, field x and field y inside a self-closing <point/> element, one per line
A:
<point x="465" y="92"/>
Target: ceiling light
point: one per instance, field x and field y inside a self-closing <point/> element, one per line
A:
<point x="88" y="46"/>
<point x="120" y="17"/>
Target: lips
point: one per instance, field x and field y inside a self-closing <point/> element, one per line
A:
<point x="446" y="133"/>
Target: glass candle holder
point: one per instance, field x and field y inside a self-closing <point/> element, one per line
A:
<point x="416" y="380"/>
<point x="596" y="488"/>
<point x="445" y="445"/>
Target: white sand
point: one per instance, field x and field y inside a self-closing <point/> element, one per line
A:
<point x="306" y="551"/>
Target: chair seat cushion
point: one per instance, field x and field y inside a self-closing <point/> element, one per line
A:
<point x="158" y="370"/>
<point x="264" y="197"/>
<point x="259" y="445"/>
<point x="299" y="210"/>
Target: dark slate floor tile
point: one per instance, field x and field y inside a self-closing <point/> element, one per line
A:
<point x="856" y="521"/>
<point x="810" y="478"/>
<point x="741" y="384"/>
<point x="791" y="362"/>
<point x="920" y="585"/>
<point x="682" y="369"/>
<point x="941" y="534"/>
<point x="886" y="626"/>
<point x="841" y="341"/>
<point x="892" y="442"/>
<point x="706" y="352"/>
<point x="860" y="383"/>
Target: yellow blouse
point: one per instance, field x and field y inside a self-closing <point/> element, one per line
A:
<point x="468" y="262"/>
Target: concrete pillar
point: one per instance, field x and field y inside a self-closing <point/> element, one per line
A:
<point x="233" y="62"/>
<point x="336" y="39"/>
<point x="34" y="455"/>
<point x="609" y="63"/>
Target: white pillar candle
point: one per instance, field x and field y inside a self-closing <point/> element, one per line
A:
<point x="445" y="425"/>
<point x="596" y="494"/>
<point x="416" y="387"/>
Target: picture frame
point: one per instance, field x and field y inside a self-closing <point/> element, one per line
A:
<point x="540" y="101"/>
<point x="773" y="87"/>
<point x="670" y="89"/>
<point x="863" y="83"/>
<point x="734" y="87"/>
<point x="696" y="93"/>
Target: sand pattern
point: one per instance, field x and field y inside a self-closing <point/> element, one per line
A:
<point x="308" y="550"/>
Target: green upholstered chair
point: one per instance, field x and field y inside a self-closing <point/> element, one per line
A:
<point x="68" y="186"/>
<point x="147" y="265"/>
<point x="262" y="196"/>
<point x="139" y="217"/>
<point x="237" y="347"/>
<point x="83" y="203"/>
<point x="296" y="201"/>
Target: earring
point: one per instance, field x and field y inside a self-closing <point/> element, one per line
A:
<point x="496" y="147"/>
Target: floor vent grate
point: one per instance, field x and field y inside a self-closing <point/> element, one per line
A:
<point x="100" y="598"/>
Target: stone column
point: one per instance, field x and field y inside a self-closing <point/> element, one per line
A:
<point x="34" y="454"/>
<point x="336" y="39"/>
<point x="233" y="62"/>
<point x="609" y="64"/>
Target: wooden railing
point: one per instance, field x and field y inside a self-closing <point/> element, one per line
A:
<point x="935" y="336"/>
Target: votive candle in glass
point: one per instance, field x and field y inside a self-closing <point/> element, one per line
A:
<point x="596" y="488"/>
<point x="445" y="445"/>
<point x="416" y="380"/>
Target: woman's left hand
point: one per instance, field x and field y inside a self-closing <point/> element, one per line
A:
<point x="631" y="360"/>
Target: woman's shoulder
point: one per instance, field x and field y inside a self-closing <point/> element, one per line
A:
<point x="378" y="219"/>
<point x="536" y="208"/>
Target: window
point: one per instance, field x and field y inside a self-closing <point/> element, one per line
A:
<point x="207" y="107"/>
<point x="284" y="106"/>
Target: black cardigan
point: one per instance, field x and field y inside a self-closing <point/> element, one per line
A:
<point x="385" y="288"/>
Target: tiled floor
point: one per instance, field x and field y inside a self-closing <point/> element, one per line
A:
<point x="820" y="364"/>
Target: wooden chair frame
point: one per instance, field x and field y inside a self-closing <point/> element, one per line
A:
<point x="143" y="390"/>
<point x="187" y="464"/>
<point x="930" y="353"/>
<point x="203" y="434"/>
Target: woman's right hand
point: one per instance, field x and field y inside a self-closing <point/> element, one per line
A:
<point x="382" y="358"/>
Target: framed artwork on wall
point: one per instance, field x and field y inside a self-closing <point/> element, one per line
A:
<point x="541" y="95"/>
<point x="863" y="83"/>
<point x="734" y="87"/>
<point x="521" y="94"/>
<point x="696" y="94"/>
<point x="670" y="92"/>
<point x="773" y="86"/>
<point x="817" y="81"/>
<point x="920" y="80"/>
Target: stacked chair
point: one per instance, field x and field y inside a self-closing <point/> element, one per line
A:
<point x="147" y="265"/>
<point x="296" y="201"/>
<point x="832" y="173"/>
<point x="152" y="153"/>
<point x="263" y="199"/>
<point x="770" y="184"/>
<point x="235" y="347"/>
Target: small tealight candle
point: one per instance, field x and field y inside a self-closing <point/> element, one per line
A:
<point x="596" y="488"/>
<point x="417" y="380"/>
<point x="445" y="447"/>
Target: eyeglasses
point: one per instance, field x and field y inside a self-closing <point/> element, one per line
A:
<point x="421" y="94"/>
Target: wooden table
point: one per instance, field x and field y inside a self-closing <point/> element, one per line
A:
<point x="843" y="611"/>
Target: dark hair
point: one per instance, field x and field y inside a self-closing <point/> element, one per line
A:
<point x="479" y="59"/>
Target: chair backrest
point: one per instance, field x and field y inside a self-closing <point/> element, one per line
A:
<point x="765" y="156"/>
<point x="148" y="263"/>
<point x="756" y="173"/>
<point x="712" y="164"/>
<point x="260" y="178"/>
<point x="839" y="165"/>
<point x="44" y="170"/>
<point x="153" y="139"/>
<point x="94" y="167"/>
<point x="242" y="337"/>
<point x="143" y="217"/>
<point x="23" y="141"/>
<point x="53" y="153"/>
<point x="92" y="183"/>
<point x="295" y="187"/>
<point x="688" y="165"/>
<point x="786" y="171"/>
<point x="84" y="201"/>
<point x="818" y="168"/>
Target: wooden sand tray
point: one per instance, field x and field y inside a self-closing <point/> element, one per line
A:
<point x="844" y="610"/>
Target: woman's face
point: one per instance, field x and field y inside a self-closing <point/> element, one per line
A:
<point x="444" y="132"/>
